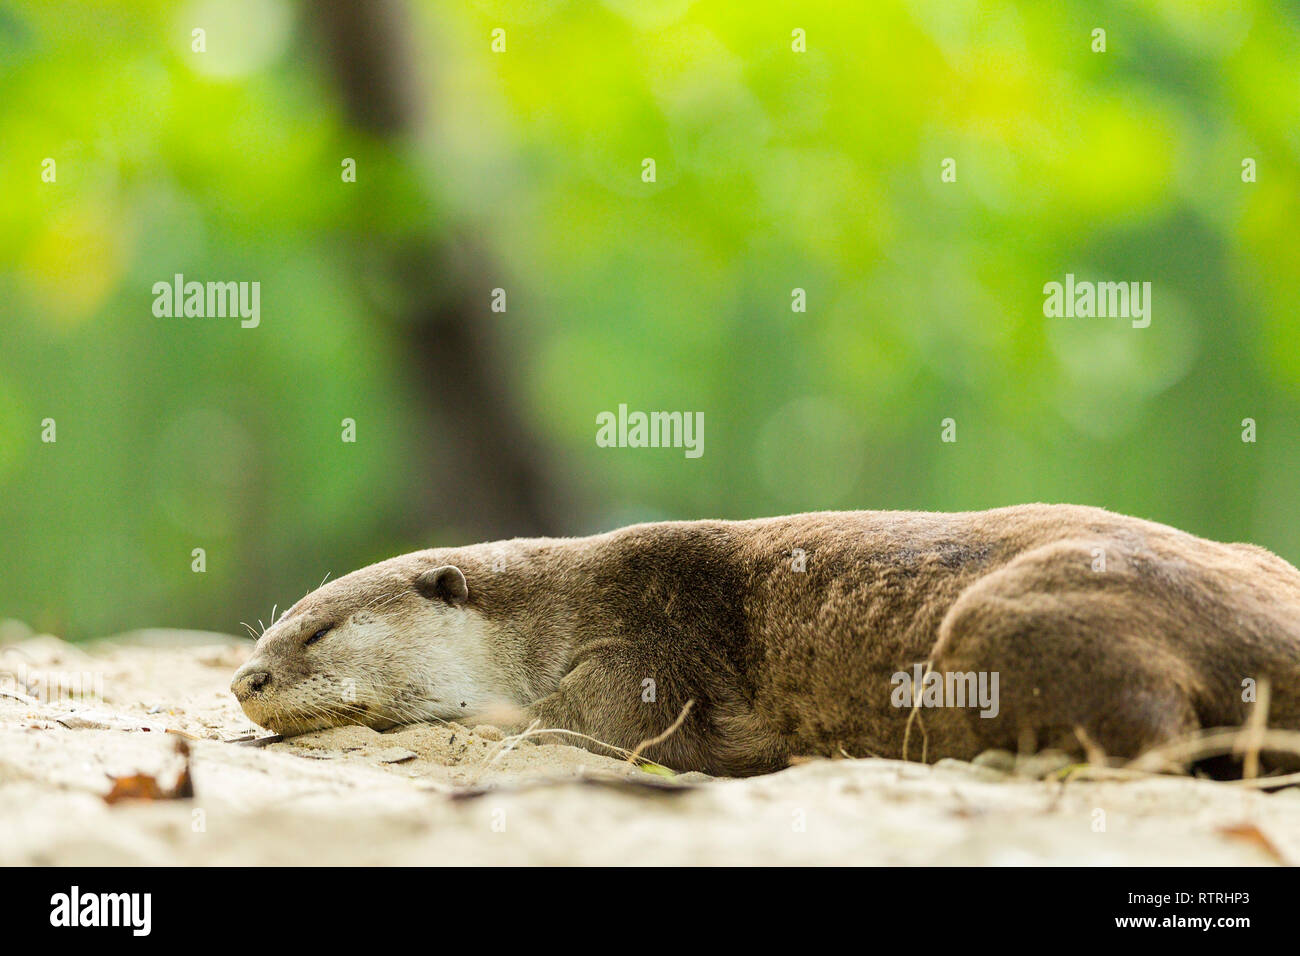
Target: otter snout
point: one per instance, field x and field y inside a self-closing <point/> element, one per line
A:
<point x="248" y="681"/>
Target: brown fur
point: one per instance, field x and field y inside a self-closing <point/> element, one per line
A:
<point x="783" y="663"/>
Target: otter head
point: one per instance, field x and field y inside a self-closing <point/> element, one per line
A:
<point x="389" y="644"/>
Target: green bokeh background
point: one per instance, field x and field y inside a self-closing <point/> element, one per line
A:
<point x="776" y="170"/>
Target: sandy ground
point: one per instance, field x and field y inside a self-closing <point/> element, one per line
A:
<point x="434" y="794"/>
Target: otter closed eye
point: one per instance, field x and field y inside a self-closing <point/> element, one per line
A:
<point x="318" y="635"/>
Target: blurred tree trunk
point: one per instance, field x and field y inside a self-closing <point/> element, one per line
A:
<point x="485" y="469"/>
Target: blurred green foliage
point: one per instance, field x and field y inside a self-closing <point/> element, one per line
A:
<point x="775" y="170"/>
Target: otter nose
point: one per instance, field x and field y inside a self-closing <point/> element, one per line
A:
<point x="246" y="684"/>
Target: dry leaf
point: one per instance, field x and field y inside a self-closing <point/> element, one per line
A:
<point x="1249" y="833"/>
<point x="143" y="786"/>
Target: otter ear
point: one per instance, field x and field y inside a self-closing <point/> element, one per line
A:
<point x="443" y="584"/>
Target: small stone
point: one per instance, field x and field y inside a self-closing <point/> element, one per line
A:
<point x="1044" y="764"/>
<point x="976" y="769"/>
<point x="1000" y="760"/>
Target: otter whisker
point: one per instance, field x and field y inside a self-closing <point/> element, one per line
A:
<point x="428" y="716"/>
<point x="376" y="606"/>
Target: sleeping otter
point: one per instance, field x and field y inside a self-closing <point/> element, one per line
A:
<point x="800" y="635"/>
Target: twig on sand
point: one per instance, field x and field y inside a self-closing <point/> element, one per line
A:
<point x="253" y="740"/>
<point x="1102" y="772"/>
<point x="1092" y="750"/>
<point x="1265" y="783"/>
<point x="1254" y="731"/>
<point x="635" y="755"/>
<point x="532" y="730"/>
<point x="848" y="756"/>
<point x="1177" y="755"/>
<point x="916" y="715"/>
<point x="509" y="744"/>
<point x="1181" y="752"/>
<point x="631" y="756"/>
